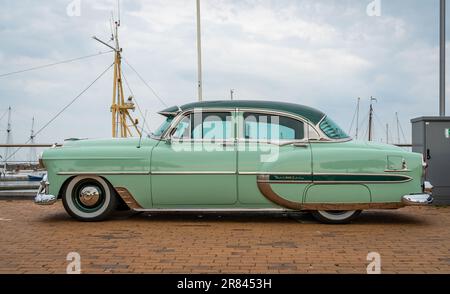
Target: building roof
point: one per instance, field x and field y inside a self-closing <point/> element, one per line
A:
<point x="307" y="112"/>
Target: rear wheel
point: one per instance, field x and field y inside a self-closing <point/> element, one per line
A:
<point x="335" y="216"/>
<point x="89" y="198"/>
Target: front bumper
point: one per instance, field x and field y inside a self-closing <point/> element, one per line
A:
<point x="420" y="199"/>
<point x="42" y="196"/>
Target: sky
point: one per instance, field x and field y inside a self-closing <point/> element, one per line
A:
<point x="320" y="53"/>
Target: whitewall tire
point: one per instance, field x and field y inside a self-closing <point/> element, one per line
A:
<point x="89" y="198"/>
<point x="335" y="217"/>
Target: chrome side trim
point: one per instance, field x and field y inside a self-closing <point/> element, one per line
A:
<point x="212" y="210"/>
<point x="127" y="198"/>
<point x="193" y="172"/>
<point x="396" y="170"/>
<point x="265" y="189"/>
<point x="274" y="173"/>
<point x="70" y="173"/>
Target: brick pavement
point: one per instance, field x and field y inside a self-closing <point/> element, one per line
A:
<point x="36" y="239"/>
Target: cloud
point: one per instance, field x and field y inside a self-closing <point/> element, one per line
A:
<point x="321" y="53"/>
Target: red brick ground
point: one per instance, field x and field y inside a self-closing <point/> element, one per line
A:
<point x="36" y="239"/>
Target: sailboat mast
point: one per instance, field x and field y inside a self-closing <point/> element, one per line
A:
<point x="32" y="155"/>
<point x="398" y="127"/>
<point x="8" y="138"/>
<point x="199" y="54"/>
<point x="370" y="118"/>
<point x="357" y="118"/>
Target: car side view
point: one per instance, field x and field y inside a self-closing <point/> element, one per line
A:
<point x="234" y="156"/>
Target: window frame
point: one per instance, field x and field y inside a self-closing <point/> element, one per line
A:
<point x="307" y="127"/>
<point x="182" y="115"/>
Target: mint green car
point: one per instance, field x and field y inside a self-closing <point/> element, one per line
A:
<point x="234" y="156"/>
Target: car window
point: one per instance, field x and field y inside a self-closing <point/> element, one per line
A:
<point x="205" y="125"/>
<point x="331" y="129"/>
<point x="272" y="127"/>
<point x="164" y="126"/>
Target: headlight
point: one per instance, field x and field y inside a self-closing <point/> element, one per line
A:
<point x="41" y="162"/>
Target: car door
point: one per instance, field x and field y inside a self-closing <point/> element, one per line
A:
<point x="197" y="165"/>
<point x="274" y="145"/>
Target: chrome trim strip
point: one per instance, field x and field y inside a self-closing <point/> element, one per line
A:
<point x="127" y="197"/>
<point x="274" y="173"/>
<point x="397" y="170"/>
<point x="180" y="116"/>
<point x="193" y="172"/>
<point x="213" y="210"/>
<point x="70" y="173"/>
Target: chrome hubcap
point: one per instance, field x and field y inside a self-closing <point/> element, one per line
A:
<point x="89" y="195"/>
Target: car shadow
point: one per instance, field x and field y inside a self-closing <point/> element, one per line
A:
<point x="206" y="218"/>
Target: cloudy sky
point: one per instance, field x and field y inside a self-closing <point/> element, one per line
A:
<point x="322" y="53"/>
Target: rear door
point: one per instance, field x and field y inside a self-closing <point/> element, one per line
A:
<point x="276" y="146"/>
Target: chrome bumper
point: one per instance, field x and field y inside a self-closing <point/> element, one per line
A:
<point x="420" y="199"/>
<point x="42" y="196"/>
<point x="417" y="199"/>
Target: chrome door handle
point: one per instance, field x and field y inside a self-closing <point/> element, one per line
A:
<point x="304" y="145"/>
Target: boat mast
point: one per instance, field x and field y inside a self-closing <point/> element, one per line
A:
<point x="357" y="118"/>
<point x="371" y="118"/>
<point x="32" y="155"/>
<point x="120" y="109"/>
<point x="199" y="54"/>
<point x="8" y="138"/>
<point x="398" y="127"/>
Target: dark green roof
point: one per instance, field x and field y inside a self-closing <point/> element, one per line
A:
<point x="309" y="113"/>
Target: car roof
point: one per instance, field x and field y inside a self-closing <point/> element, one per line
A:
<point x="307" y="112"/>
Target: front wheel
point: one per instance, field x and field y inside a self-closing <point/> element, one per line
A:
<point x="335" y="217"/>
<point x="89" y="198"/>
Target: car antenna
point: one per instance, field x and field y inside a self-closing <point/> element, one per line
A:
<point x="142" y="130"/>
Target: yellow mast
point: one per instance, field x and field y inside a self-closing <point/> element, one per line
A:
<point x="120" y="110"/>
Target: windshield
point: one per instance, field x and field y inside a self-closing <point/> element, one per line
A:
<point x="164" y="126"/>
<point x="331" y="129"/>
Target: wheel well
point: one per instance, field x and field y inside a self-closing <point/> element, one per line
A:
<point x="64" y="186"/>
<point x="67" y="181"/>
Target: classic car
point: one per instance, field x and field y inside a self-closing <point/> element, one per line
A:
<point x="234" y="156"/>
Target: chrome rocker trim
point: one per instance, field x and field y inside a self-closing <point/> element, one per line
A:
<point x="42" y="197"/>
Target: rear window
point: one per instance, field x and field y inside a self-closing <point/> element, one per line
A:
<point x="331" y="129"/>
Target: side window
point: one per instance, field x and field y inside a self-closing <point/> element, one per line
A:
<point x="272" y="127"/>
<point x="205" y="125"/>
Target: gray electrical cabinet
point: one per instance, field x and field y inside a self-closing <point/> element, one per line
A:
<point x="431" y="137"/>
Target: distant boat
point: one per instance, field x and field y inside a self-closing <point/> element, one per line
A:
<point x="34" y="178"/>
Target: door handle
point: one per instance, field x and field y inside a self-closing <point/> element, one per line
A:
<point x="303" y="145"/>
<point x="428" y="154"/>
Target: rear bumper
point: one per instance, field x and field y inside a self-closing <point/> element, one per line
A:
<point x="42" y="196"/>
<point x="417" y="199"/>
<point x="420" y="199"/>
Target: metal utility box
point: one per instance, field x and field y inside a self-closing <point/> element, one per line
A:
<point x="431" y="137"/>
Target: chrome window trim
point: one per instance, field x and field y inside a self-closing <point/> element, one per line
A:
<point x="305" y="122"/>
<point x="180" y="116"/>
<point x="322" y="137"/>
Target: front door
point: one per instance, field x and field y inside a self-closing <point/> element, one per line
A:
<point x="197" y="166"/>
<point x="275" y="146"/>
